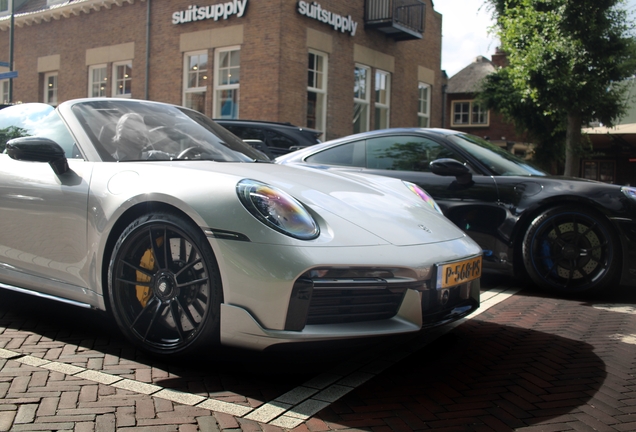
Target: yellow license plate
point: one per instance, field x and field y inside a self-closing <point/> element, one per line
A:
<point x="459" y="272"/>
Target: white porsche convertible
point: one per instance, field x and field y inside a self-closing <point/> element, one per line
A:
<point x="189" y="237"/>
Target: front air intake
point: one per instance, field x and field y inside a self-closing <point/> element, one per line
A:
<point x="346" y="300"/>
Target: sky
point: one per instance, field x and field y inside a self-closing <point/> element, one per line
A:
<point x="465" y="34"/>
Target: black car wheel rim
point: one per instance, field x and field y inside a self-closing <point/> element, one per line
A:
<point x="162" y="288"/>
<point x="571" y="250"/>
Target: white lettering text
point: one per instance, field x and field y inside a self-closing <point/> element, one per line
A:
<point x="338" y="22"/>
<point x="215" y="12"/>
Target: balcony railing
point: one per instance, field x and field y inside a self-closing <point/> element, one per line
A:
<point x="399" y="19"/>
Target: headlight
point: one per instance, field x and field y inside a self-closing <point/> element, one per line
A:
<point x="422" y="194"/>
<point x="277" y="209"/>
<point x="629" y="191"/>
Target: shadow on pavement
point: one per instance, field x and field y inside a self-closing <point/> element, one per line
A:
<point x="481" y="376"/>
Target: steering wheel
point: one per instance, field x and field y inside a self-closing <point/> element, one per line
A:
<point x="189" y="150"/>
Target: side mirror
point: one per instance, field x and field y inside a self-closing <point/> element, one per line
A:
<point x="38" y="149"/>
<point x="448" y="167"/>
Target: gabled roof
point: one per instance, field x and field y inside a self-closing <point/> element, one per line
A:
<point x="468" y="80"/>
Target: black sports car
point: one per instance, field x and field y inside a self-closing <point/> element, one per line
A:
<point x="567" y="234"/>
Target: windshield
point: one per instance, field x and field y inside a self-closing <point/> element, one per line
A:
<point x="496" y="159"/>
<point x="137" y="130"/>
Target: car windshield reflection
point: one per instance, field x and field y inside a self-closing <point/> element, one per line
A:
<point x="140" y="131"/>
<point x="496" y="159"/>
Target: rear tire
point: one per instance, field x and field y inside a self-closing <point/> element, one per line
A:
<point x="571" y="250"/>
<point x="164" y="285"/>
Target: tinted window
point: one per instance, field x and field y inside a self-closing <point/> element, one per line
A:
<point x="246" y="132"/>
<point x="405" y="153"/>
<point x="499" y="161"/>
<point x="276" y="139"/>
<point x="35" y="119"/>
<point x="351" y="154"/>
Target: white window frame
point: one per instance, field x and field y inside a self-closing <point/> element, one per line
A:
<point x="382" y="103"/>
<point x="424" y="105"/>
<point x="362" y="98"/>
<point x="201" y="76"/>
<point x="101" y="84"/>
<point x="319" y="87"/>
<point x="472" y="105"/>
<point x="49" y="87"/>
<point x="117" y="80"/>
<point x="218" y="88"/>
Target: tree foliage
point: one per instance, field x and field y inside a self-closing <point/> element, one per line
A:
<point x="10" y="133"/>
<point x="547" y="131"/>
<point x="564" y="57"/>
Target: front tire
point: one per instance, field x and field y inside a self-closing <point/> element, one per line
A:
<point x="570" y="250"/>
<point x="164" y="285"/>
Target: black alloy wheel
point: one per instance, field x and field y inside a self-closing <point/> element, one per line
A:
<point x="571" y="250"/>
<point x="164" y="285"/>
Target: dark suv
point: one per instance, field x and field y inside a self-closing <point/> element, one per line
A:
<point x="279" y="138"/>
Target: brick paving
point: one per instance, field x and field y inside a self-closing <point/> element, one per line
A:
<point x="531" y="363"/>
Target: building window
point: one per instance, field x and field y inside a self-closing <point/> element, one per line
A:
<point x="479" y="114"/>
<point x="122" y="79"/>
<point x="228" y="76"/>
<point x="5" y="91"/>
<point x="50" y="88"/>
<point x="604" y="171"/>
<point x="4" y="6"/>
<point x="195" y="80"/>
<point x="97" y="79"/>
<point x="361" y="96"/>
<point x="469" y="113"/>
<point x="424" y="106"/>
<point x="316" y="90"/>
<point x="382" y="99"/>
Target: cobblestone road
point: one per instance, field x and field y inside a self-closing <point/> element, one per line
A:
<point x="527" y="362"/>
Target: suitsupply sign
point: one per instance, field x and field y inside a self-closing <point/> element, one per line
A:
<point x="338" y="22"/>
<point x="215" y="12"/>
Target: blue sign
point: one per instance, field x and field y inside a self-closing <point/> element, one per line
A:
<point x="7" y="75"/>
<point x="4" y="64"/>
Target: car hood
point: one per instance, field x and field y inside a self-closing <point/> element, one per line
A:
<point x="382" y="206"/>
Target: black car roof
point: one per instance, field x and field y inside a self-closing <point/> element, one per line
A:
<point x="266" y="123"/>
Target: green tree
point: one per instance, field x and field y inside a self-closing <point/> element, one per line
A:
<point x="565" y="58"/>
<point x="9" y="133"/>
<point x="547" y="131"/>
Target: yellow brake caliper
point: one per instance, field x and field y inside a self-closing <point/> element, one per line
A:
<point x="147" y="262"/>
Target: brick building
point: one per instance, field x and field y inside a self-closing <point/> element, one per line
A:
<point x="340" y="67"/>
<point x="464" y="113"/>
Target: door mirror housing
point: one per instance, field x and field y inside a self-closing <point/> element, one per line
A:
<point x="38" y="149"/>
<point x="448" y="167"/>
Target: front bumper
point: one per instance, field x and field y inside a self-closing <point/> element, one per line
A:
<point x="418" y="309"/>
<point x="275" y="294"/>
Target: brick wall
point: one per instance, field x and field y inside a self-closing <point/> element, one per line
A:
<point x="273" y="58"/>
